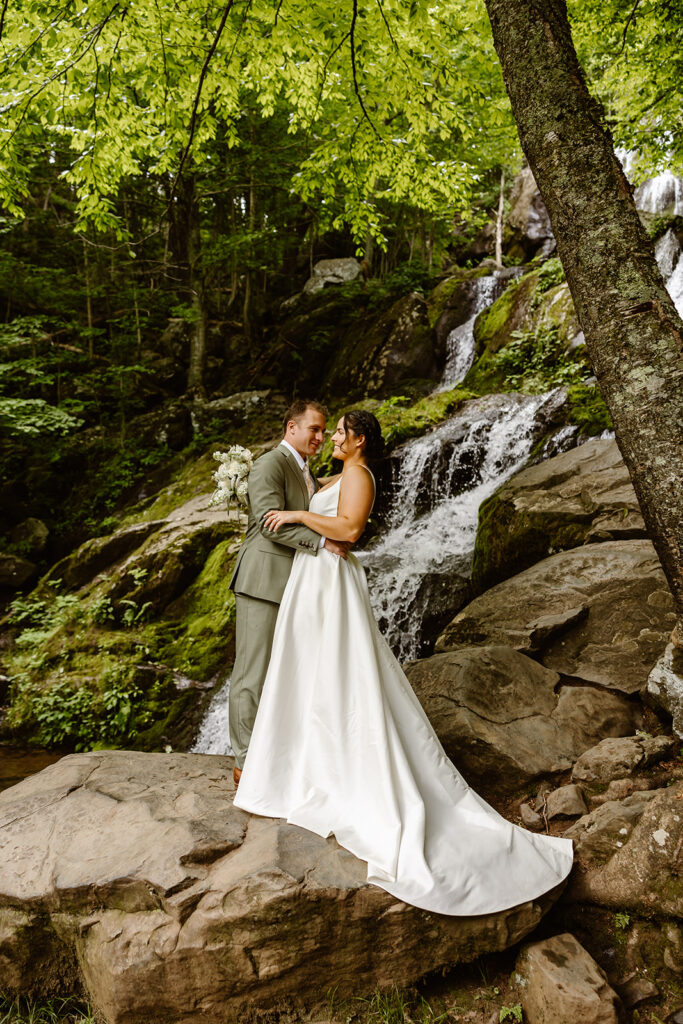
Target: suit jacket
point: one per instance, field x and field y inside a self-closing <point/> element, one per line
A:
<point x="265" y="559"/>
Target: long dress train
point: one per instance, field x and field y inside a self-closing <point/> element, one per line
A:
<point x="342" y="746"/>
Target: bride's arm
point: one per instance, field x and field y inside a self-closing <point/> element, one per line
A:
<point x="355" y="502"/>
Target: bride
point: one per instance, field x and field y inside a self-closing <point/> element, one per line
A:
<point x="341" y="745"/>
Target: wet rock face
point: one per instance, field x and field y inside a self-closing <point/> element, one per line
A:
<point x="584" y="495"/>
<point x="397" y="346"/>
<point x="600" y="614"/>
<point x="136" y="872"/>
<point x="560" y="983"/>
<point x="459" y="299"/>
<point x="501" y="721"/>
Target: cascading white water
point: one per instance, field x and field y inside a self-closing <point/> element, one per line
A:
<point x="661" y="194"/>
<point x="489" y="440"/>
<point x="460" y="341"/>
<point x="670" y="262"/>
<point x="214" y="734"/>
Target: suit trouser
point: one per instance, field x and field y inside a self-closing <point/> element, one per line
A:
<point x="254" y="638"/>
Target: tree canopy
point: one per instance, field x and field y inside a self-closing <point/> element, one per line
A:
<point x="382" y="99"/>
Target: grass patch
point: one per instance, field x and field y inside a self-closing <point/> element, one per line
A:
<point x="49" y="1011"/>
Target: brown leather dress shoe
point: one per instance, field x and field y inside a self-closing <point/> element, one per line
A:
<point x="236" y="776"/>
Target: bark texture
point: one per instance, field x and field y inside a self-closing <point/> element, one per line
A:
<point x="633" y="333"/>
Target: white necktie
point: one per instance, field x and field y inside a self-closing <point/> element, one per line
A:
<point x="309" y="481"/>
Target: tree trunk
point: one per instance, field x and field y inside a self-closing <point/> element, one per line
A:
<point x="195" y="376"/>
<point x="499" y="222"/>
<point x="633" y="333"/>
<point x="88" y="300"/>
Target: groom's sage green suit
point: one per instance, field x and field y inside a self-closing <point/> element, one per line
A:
<point x="259" y="579"/>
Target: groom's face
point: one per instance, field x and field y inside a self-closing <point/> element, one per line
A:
<point x="307" y="433"/>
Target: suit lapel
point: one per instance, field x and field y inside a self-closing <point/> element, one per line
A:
<point x="295" y="472"/>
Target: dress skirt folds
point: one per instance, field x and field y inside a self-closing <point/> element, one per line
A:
<point x="341" y="746"/>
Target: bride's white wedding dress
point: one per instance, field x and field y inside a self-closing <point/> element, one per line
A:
<point x="341" y="746"/>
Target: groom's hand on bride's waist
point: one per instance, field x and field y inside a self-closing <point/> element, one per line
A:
<point x="338" y="547"/>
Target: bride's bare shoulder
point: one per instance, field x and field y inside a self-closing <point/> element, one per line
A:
<point x="359" y="473"/>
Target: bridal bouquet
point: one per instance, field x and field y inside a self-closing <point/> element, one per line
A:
<point x="232" y="475"/>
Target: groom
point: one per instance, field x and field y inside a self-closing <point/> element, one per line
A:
<point x="279" y="479"/>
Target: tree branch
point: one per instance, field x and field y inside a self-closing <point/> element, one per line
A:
<point x="352" y="40"/>
<point x="2" y="16"/>
<point x="627" y="25"/>
<point x="200" y="85"/>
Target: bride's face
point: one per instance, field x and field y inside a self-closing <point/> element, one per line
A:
<point x="346" y="443"/>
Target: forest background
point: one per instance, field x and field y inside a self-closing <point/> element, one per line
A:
<point x="191" y="163"/>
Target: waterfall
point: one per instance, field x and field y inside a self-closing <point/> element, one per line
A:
<point x="442" y="480"/>
<point x="460" y="346"/>
<point x="661" y="194"/>
<point x="214" y="734"/>
<point x="670" y="262"/>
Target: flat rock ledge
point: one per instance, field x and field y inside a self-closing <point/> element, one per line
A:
<point x="133" y="877"/>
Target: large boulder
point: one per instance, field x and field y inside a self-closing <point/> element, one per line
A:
<point x="582" y="495"/>
<point x="135" y="873"/>
<point x="15" y="571"/>
<point x="629" y="853"/>
<point x="31" y="534"/>
<point x="505" y="721"/>
<point x="99" y="553"/>
<point x="234" y="411"/>
<point x="614" y="759"/>
<point x="335" y="271"/>
<point x="528" y="231"/>
<point x="560" y="983"/>
<point x="600" y="613"/>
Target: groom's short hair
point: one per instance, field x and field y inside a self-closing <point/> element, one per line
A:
<point x="298" y="408"/>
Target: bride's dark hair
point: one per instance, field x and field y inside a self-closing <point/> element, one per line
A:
<point x="364" y="424"/>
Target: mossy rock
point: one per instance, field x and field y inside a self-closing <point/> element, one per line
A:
<point x="556" y="310"/>
<point x="204" y="645"/>
<point x="494" y="326"/>
<point x="445" y="293"/>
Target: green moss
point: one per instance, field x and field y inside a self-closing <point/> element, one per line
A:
<point x="587" y="409"/>
<point x="205" y="615"/>
<point x="79" y="683"/>
<point x="191" y="480"/>
<point x="494" y="326"/>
